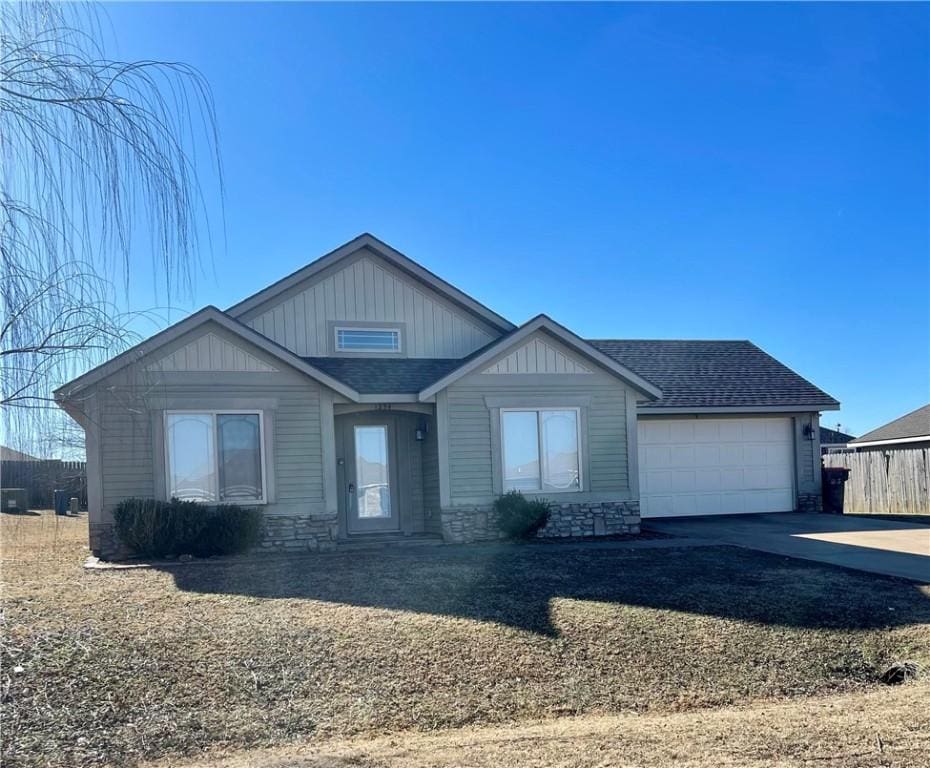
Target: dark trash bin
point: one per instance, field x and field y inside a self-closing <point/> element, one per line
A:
<point x="834" y="484"/>
<point x="62" y="502"/>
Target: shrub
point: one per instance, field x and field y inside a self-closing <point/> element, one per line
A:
<point x="159" y="528"/>
<point x="519" y="517"/>
<point x="228" y="529"/>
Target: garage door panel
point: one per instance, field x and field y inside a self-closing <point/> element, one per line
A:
<point x="657" y="481"/>
<point x="706" y="480"/>
<point x="682" y="455"/>
<point x="706" y="431"/>
<point x="730" y="430"/>
<point x="755" y="455"/>
<point x="681" y="431"/>
<point x="683" y="481"/>
<point x="706" y="455"/>
<point x="716" y="466"/>
<point x="731" y="455"/>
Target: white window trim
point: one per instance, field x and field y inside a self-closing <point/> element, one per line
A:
<point x="216" y="450"/>
<point x="375" y="329"/>
<point x="539" y="447"/>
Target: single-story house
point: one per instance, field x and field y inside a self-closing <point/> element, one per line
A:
<point x="833" y="440"/>
<point x="909" y="431"/>
<point x="364" y="396"/>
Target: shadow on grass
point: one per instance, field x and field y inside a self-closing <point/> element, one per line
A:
<point x="515" y="585"/>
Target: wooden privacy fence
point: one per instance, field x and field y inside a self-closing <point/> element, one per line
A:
<point x="885" y="482"/>
<point x="42" y="478"/>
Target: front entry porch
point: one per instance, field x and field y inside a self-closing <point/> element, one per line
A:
<point x="387" y="473"/>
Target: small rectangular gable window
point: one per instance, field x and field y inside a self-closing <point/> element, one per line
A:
<point x="367" y="340"/>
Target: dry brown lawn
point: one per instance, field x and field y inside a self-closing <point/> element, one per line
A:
<point x="608" y="653"/>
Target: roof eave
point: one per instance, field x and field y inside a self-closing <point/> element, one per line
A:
<point x="188" y="324"/>
<point x="890" y="441"/>
<point x="761" y="408"/>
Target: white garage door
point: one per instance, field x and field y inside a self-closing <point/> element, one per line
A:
<point x="715" y="466"/>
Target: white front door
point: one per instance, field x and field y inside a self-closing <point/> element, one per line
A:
<point x="715" y="466"/>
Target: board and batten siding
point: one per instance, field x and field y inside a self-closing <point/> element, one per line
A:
<point x="367" y="288"/>
<point x="604" y="402"/>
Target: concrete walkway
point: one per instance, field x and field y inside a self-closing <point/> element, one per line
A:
<point x="888" y="547"/>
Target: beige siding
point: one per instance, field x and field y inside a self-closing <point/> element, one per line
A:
<point x="367" y="288"/>
<point x="604" y="437"/>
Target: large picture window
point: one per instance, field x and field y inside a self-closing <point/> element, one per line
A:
<point x="540" y="450"/>
<point x="215" y="457"/>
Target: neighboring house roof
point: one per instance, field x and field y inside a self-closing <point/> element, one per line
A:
<point x="832" y="437"/>
<point x="391" y="255"/>
<point x="401" y="376"/>
<point x="8" y="454"/>
<point x="910" y="428"/>
<point x="205" y="315"/>
<point x="560" y="332"/>
<point x="715" y="374"/>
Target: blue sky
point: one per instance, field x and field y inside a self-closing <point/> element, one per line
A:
<point x="634" y="171"/>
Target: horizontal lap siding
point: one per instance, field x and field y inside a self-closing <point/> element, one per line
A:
<point x="470" y="450"/>
<point x="125" y="448"/>
<point x="127" y="443"/>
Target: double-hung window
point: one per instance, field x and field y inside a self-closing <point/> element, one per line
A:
<point x="215" y="456"/>
<point x="540" y="449"/>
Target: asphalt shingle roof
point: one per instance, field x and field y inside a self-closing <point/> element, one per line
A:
<point x="714" y="374"/>
<point x="691" y="374"/>
<point x="914" y="424"/>
<point x="396" y="376"/>
<point x="832" y="437"/>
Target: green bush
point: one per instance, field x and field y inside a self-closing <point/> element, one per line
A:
<point x="519" y="517"/>
<point x="160" y="528"/>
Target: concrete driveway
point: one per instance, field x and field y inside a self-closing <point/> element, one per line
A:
<point x="880" y="546"/>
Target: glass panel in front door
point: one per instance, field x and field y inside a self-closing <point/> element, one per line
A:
<point x="372" y="488"/>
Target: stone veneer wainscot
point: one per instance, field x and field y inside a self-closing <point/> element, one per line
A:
<point x="461" y="525"/>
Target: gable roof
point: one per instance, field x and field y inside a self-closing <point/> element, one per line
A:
<point x="912" y="427"/>
<point x="833" y="437"/>
<point x="389" y="254"/>
<point x="547" y="324"/>
<point x="205" y="315"/>
<point x="696" y="375"/>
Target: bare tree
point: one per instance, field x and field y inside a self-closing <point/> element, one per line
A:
<point x="99" y="164"/>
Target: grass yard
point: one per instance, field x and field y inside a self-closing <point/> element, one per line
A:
<point x="116" y="667"/>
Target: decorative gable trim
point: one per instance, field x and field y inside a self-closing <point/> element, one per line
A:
<point x="537" y="357"/>
<point x="211" y="353"/>
<point x="392" y="256"/>
<point x="137" y="354"/>
<point x="561" y="334"/>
